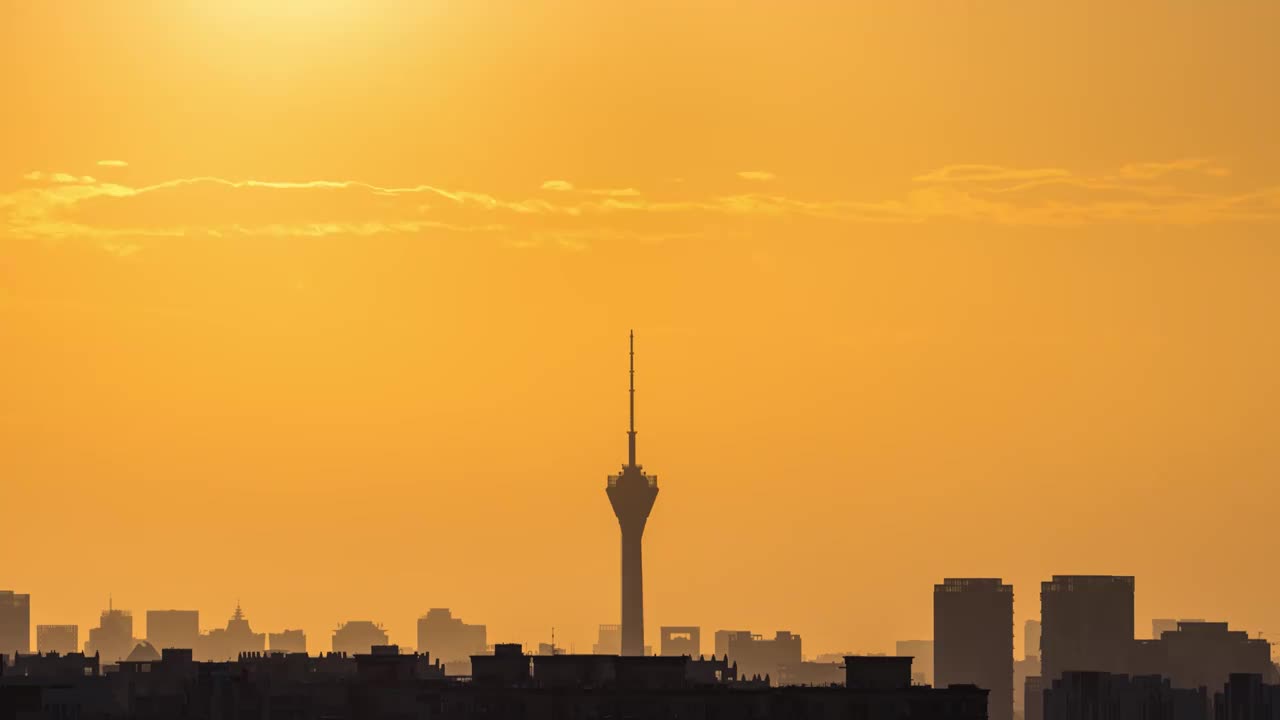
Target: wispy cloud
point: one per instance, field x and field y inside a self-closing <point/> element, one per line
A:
<point x="59" y="178"/>
<point x="987" y="174"/>
<point x="760" y="175"/>
<point x="566" y="186"/>
<point x="123" y="218"/>
<point x="1152" y="170"/>
<point x="113" y="163"/>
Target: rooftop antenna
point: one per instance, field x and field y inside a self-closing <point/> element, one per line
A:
<point x="631" y="434"/>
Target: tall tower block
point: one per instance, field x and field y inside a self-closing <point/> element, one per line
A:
<point x="632" y="493"/>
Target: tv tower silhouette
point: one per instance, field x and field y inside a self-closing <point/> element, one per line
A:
<point x="632" y="493"/>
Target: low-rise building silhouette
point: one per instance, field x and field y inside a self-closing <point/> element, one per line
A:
<point x="1202" y="654"/>
<point x="721" y="640"/>
<point x="756" y="655"/>
<point x="287" y="641"/>
<point x="224" y="644"/>
<point x="143" y="652"/>
<point x="810" y="673"/>
<point x="877" y="672"/>
<point x="386" y="665"/>
<point x="1033" y="698"/>
<point x="61" y="639"/>
<point x="385" y="684"/>
<point x="1246" y="697"/>
<point x="922" y="664"/>
<point x="358" y="637"/>
<point x="173" y="628"/>
<point x="608" y="671"/>
<point x="608" y="640"/>
<point x="53" y="666"/>
<point x="450" y="640"/>
<point x="1097" y="695"/>
<point x="1160" y="626"/>
<point x="507" y="667"/>
<point x="676" y="640"/>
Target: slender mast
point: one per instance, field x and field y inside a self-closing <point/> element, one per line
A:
<point x="631" y="434"/>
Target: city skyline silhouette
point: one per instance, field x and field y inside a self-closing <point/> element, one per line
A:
<point x="312" y="318"/>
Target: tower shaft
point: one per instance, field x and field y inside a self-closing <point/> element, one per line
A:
<point x="632" y="593"/>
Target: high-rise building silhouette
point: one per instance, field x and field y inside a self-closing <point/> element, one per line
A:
<point x="632" y="494"/>
<point x="173" y="629"/>
<point x="113" y="639"/>
<point x="15" y="623"/>
<point x="62" y="639"/>
<point x="1028" y="666"/>
<point x="1031" y="640"/>
<point x="973" y="639"/>
<point x="1086" y="624"/>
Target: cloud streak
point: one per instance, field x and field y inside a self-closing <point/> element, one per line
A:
<point x="62" y="206"/>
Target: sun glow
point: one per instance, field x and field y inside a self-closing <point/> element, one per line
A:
<point x="288" y="10"/>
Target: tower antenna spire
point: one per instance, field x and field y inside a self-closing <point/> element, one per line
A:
<point x="631" y="434"/>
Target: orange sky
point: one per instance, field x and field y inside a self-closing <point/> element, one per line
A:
<point x="322" y="305"/>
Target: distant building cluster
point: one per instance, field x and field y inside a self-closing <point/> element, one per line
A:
<point x="387" y="684"/>
<point x="1082" y="660"/>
